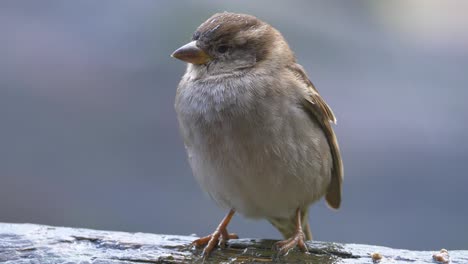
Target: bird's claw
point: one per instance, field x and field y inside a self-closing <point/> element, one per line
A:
<point x="219" y="237"/>
<point x="297" y="239"/>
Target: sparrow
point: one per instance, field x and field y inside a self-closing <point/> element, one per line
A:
<point x="258" y="135"/>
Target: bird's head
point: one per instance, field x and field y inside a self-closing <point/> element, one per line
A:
<point x="229" y="43"/>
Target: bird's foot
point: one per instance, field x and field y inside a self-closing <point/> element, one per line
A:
<point x="219" y="237"/>
<point x="297" y="239"/>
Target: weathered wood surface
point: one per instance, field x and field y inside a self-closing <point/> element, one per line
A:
<point x="28" y="243"/>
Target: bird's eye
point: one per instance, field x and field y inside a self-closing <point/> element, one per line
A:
<point x="222" y="48"/>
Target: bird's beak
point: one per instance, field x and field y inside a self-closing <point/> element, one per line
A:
<point x="191" y="53"/>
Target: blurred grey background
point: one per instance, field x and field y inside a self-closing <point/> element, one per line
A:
<point x="89" y="136"/>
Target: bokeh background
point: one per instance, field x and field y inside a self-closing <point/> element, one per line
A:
<point x="89" y="137"/>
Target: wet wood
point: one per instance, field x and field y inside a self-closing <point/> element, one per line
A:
<point x="28" y="243"/>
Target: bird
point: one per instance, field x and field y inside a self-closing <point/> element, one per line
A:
<point x="258" y="135"/>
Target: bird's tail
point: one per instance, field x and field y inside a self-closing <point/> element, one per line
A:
<point x="287" y="226"/>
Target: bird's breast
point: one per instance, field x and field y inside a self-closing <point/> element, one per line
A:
<point x="252" y="150"/>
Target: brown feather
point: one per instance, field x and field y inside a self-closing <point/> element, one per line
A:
<point x="320" y="111"/>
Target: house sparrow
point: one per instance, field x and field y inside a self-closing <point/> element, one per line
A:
<point x="257" y="133"/>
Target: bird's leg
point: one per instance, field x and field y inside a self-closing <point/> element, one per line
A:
<point x="297" y="238"/>
<point x="220" y="236"/>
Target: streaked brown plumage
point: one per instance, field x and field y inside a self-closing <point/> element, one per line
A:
<point x="256" y="130"/>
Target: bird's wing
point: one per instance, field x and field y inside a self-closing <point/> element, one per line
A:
<point x="320" y="111"/>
